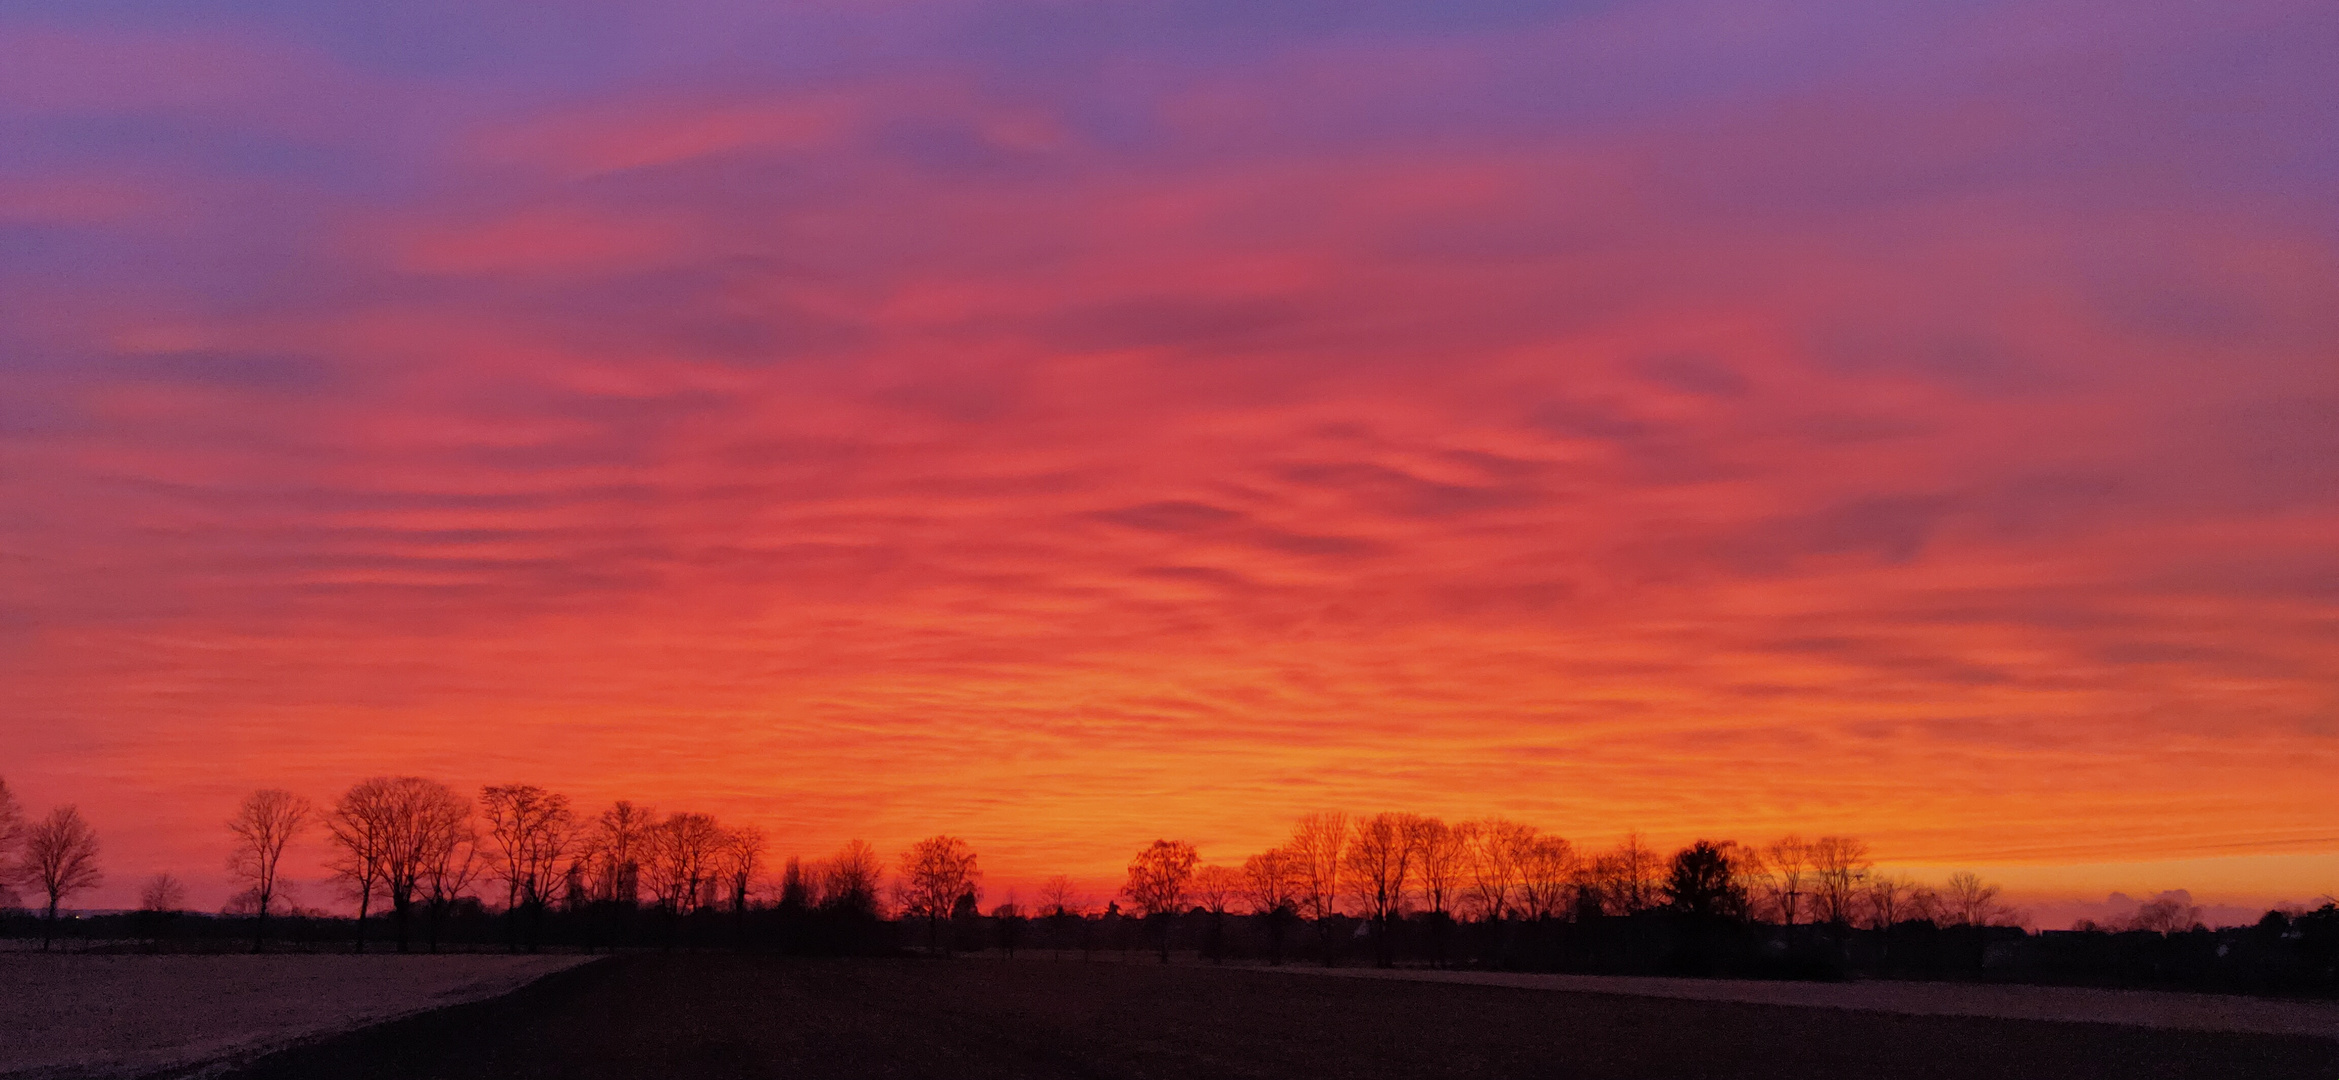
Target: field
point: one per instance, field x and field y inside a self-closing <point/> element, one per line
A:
<point x="72" y="1015"/>
<point x="684" y="1017"/>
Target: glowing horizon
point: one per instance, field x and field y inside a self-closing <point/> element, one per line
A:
<point x="1065" y="426"/>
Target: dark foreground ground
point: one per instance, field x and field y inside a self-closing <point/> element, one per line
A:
<point x="705" y="1016"/>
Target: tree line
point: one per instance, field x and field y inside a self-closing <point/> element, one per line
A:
<point x="421" y="853"/>
<point x="1385" y="867"/>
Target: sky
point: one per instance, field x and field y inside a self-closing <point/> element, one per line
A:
<point x="1062" y="424"/>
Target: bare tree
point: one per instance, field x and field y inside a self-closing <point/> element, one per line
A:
<point x="60" y="856"/>
<point x="531" y="829"/>
<point x="1271" y="886"/>
<point x="684" y="849"/>
<point x="615" y="847"/>
<point x="1378" y="864"/>
<point x="424" y="818"/>
<point x="1970" y="902"/>
<point x="268" y="820"/>
<point x="1622" y="880"/>
<point x="1318" y="842"/>
<point x="1216" y="887"/>
<point x="451" y="863"/>
<point x="1010" y="918"/>
<point x="1440" y="863"/>
<point x="1063" y="906"/>
<point x="11" y="834"/>
<point x="935" y="872"/>
<point x="1547" y="868"/>
<point x="159" y="901"/>
<point x="741" y="858"/>
<point x="849" y="879"/>
<point x="1157" y="883"/>
<point x="360" y="824"/>
<point x="1061" y="897"/>
<point x="1783" y="874"/>
<point x="1839" y="865"/>
<point x="1926" y="905"/>
<point x="2168" y="913"/>
<point x="1494" y="847"/>
<point x="162" y="894"/>
<point x="1885" y="898"/>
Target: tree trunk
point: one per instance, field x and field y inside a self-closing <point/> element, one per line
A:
<point x="49" y="925"/>
<point x="365" y="901"/>
<point x="260" y="925"/>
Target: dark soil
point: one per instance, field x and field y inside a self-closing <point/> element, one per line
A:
<point x="706" y="1016"/>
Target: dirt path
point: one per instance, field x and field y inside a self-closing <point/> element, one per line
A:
<point x="2069" y="1004"/>
<point x="121" y="1016"/>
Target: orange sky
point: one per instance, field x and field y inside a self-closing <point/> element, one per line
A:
<point x="1921" y="428"/>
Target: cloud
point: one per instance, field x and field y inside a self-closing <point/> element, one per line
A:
<point x="539" y="241"/>
<point x="1171" y="516"/>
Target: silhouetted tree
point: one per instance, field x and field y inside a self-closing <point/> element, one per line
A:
<point x="1378" y="863"/>
<point x="1441" y="863"/>
<point x="1623" y="878"/>
<point x="424" y="817"/>
<point x="1317" y="843"/>
<point x="60" y="857"/>
<point x="966" y="922"/>
<point x="1547" y="868"/>
<point x="1970" y="901"/>
<point x="615" y="847"/>
<point x="1494" y="848"/>
<point x="1926" y="905"/>
<point x="11" y="834"/>
<point x="736" y="866"/>
<point x="1062" y="904"/>
<point x="1010" y="918"/>
<point x="742" y="859"/>
<point x="162" y="892"/>
<point x="451" y="863"/>
<point x="1157" y="883"/>
<point x="1783" y="873"/>
<point x="531" y="830"/>
<point x="268" y="820"/>
<point x="361" y="825"/>
<point x="2168" y="913"/>
<point x="795" y="888"/>
<point x="684" y="851"/>
<point x="159" y="901"/>
<point x="1885" y="898"/>
<point x="1271" y="886"/>
<point x="1702" y="880"/>
<point x="848" y="880"/>
<point x="935" y="872"/>
<point x="1216" y="887"/>
<point x="1109" y="923"/>
<point x="1839" y="865"/>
